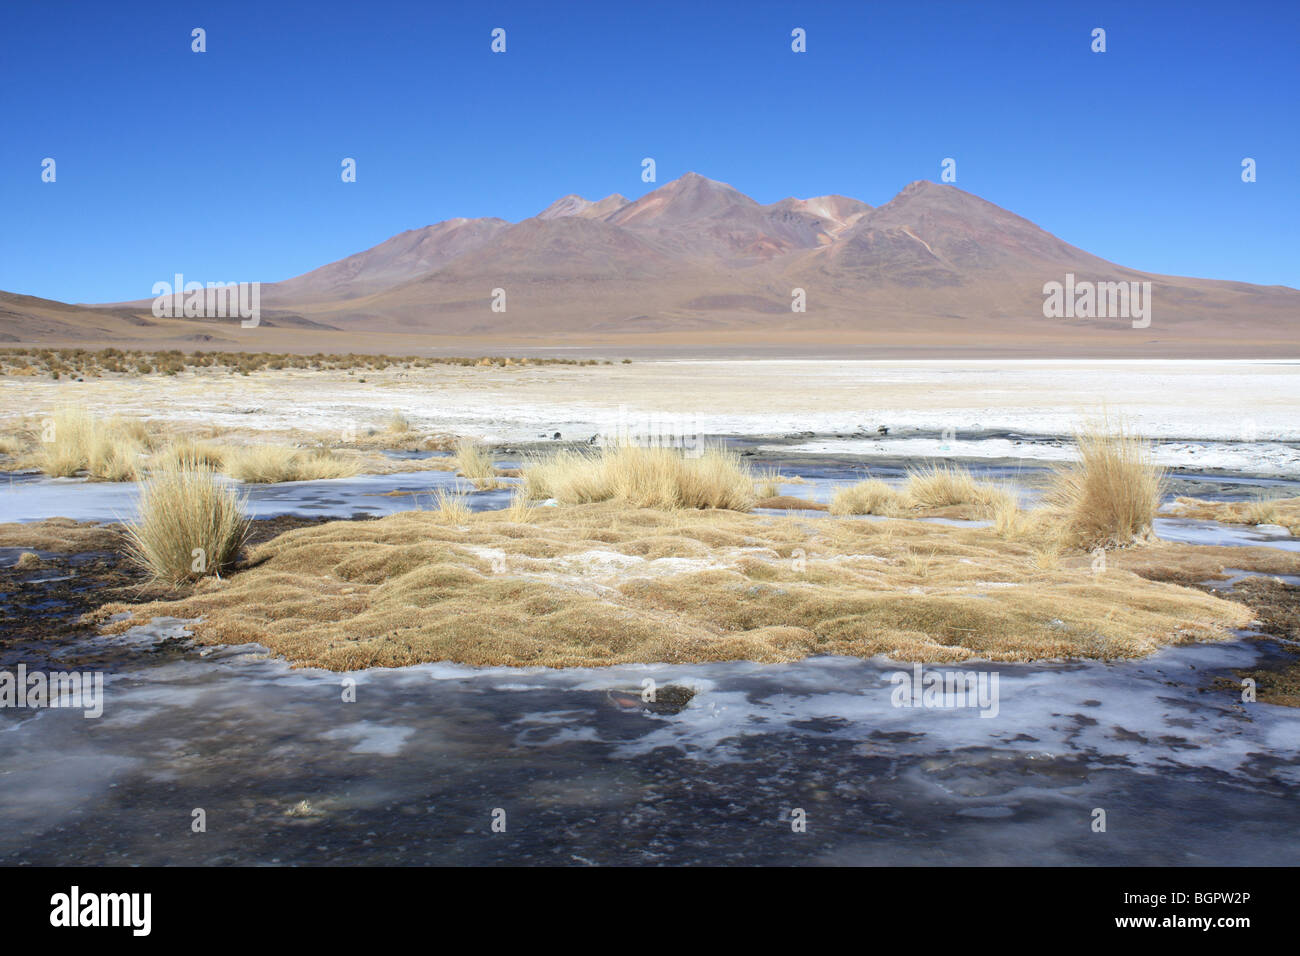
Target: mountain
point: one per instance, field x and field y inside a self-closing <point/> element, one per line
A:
<point x="697" y="261"/>
<point x="405" y="255"/>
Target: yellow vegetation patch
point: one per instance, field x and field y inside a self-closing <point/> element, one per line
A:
<point x="60" y="534"/>
<point x="643" y="477"/>
<point x="1279" y="511"/>
<point x="276" y="463"/>
<point x="604" y="584"/>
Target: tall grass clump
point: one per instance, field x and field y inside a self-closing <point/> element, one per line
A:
<point x="474" y="461"/>
<point x="80" y="442"/>
<point x="189" y="525"/>
<point x="1109" y="498"/>
<point x="519" y="511"/>
<point x="1261" y="511"/>
<point x="643" y="477"/>
<point x="767" y="483"/>
<point x="269" y="464"/>
<point x="870" y="497"/>
<point x="70" y="432"/>
<point x="939" y="486"/>
<point x="113" y="456"/>
<point x="451" y="508"/>
<point x="191" y="453"/>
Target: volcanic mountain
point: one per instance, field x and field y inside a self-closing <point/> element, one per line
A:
<point x="695" y="261"/>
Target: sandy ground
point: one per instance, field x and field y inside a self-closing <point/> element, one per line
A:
<point x="1176" y="399"/>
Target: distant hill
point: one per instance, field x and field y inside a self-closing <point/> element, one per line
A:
<point x="698" y="262"/>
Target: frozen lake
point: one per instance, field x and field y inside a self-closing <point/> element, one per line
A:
<point x="414" y="770"/>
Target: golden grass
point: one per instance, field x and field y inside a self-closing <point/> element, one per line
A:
<point x="191" y="453"/>
<point x="398" y="424"/>
<point x="519" y="511"/>
<point x="269" y="464"/>
<point x="1110" y="497"/>
<point x="870" y="497"/>
<point x="933" y="488"/>
<point x="1261" y="511"/>
<point x="643" y="477"/>
<point x="767" y="483"/>
<point x="451" y="508"/>
<point x="113" y="456"/>
<point x="1279" y="511"/>
<point x="189" y="525"/>
<point x="940" y="486"/>
<point x="474" y="462"/>
<point x="60" y="534"/>
<point x="72" y="441"/>
<point x="590" y="586"/>
<point x="65" y="443"/>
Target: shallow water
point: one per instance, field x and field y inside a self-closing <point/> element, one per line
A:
<point x="1194" y="531"/>
<point x="33" y="497"/>
<point x="412" y="771"/>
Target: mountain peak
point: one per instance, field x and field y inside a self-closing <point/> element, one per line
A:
<point x="685" y="199"/>
<point x="693" y="180"/>
<point x="575" y="205"/>
<point x="918" y="187"/>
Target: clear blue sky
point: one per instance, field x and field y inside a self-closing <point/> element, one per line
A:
<point x="225" y="165"/>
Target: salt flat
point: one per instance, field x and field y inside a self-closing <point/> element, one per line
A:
<point x="1226" y="401"/>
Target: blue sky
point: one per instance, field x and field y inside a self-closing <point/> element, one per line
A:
<point x="225" y="165"/>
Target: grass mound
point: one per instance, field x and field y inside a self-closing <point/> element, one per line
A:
<point x="604" y="584"/>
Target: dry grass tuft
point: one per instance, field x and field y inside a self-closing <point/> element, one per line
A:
<point x="189" y="525"/>
<point x="270" y="464"/>
<point x="113" y="456"/>
<point x="767" y="483"/>
<point x="451" y="507"/>
<point x="79" y="442"/>
<point x="519" y="510"/>
<point x="1110" y="497"/>
<point x="1261" y="511"/>
<point x="643" y="477"/>
<point x="940" y="486"/>
<point x="474" y="461"/>
<point x="189" y="453"/>
<point x="12" y="446"/>
<point x="65" y="443"/>
<point x="870" y="497"/>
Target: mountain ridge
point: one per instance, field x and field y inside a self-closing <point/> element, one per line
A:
<point x="696" y="257"/>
